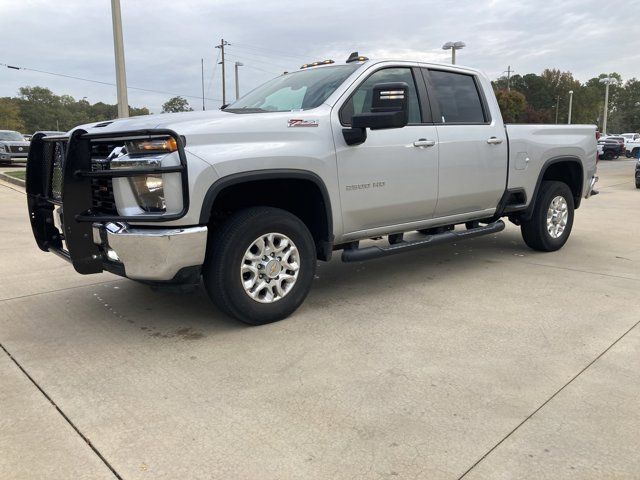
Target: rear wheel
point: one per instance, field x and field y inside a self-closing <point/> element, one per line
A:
<point x="552" y="219"/>
<point x="260" y="265"/>
<point x="609" y="155"/>
<point x="627" y="154"/>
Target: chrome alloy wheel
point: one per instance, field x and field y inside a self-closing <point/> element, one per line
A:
<point x="557" y="216"/>
<point x="270" y="267"/>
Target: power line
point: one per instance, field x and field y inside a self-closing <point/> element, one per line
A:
<point x="100" y="82"/>
<point x="261" y="62"/>
<point x="267" y="62"/>
<point x="277" y="52"/>
<point x="215" y="67"/>
<point x="270" y="72"/>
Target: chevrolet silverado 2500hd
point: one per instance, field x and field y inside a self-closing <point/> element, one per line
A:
<point x="314" y="161"/>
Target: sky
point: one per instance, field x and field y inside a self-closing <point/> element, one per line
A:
<point x="166" y="40"/>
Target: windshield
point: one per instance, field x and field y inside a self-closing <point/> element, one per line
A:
<point x="300" y="90"/>
<point x="11" y="137"/>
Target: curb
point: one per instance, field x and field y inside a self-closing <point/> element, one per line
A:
<point x="15" y="181"/>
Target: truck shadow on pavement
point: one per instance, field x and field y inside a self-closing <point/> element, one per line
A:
<point x="165" y="315"/>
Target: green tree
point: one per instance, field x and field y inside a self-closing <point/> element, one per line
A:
<point x="10" y="118"/>
<point x="628" y="107"/>
<point x="176" y="104"/>
<point x="41" y="109"/>
<point x="512" y="105"/>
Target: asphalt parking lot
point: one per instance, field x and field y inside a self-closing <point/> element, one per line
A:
<point x="477" y="360"/>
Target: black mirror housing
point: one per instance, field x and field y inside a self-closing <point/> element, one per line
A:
<point x="389" y="109"/>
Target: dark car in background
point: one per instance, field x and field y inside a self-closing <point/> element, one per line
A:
<point x="638" y="173"/>
<point x="13" y="147"/>
<point x="609" y="148"/>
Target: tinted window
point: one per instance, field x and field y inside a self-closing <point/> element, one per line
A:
<point x="360" y="101"/>
<point x="457" y="96"/>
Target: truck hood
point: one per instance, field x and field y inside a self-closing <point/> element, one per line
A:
<point x="196" y="125"/>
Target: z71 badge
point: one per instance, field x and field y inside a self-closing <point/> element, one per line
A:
<point x="298" y="122"/>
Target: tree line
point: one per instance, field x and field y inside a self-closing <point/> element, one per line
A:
<point x="38" y="108"/>
<point x="529" y="98"/>
<point x="536" y="98"/>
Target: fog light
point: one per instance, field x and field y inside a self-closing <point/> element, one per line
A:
<point x="149" y="192"/>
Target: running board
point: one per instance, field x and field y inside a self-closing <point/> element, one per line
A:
<point x="367" y="253"/>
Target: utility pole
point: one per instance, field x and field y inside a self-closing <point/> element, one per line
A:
<point x="118" y="45"/>
<point x="223" y="44"/>
<point x="508" y="71"/>
<point x="570" y="105"/>
<point x="557" y="105"/>
<point x="202" y="75"/>
<point x="238" y="64"/>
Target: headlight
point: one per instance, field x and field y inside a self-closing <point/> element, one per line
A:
<point x="150" y="146"/>
<point x="149" y="192"/>
<point x="3" y="148"/>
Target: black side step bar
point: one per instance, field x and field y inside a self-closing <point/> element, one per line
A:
<point x="367" y="253"/>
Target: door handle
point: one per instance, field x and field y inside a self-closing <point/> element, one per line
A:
<point x="423" y="142"/>
<point x="494" y="141"/>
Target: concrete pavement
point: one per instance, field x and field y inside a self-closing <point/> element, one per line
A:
<point x="479" y="360"/>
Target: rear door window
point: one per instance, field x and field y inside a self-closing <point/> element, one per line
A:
<point x="457" y="98"/>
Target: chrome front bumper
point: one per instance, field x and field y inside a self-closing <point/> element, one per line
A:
<point x="154" y="254"/>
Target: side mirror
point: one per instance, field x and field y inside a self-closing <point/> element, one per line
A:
<point x="389" y="109"/>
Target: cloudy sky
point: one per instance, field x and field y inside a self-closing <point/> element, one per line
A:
<point x="165" y="40"/>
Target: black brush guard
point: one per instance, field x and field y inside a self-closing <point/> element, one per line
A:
<point x="76" y="194"/>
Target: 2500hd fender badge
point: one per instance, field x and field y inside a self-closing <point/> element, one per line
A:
<point x="298" y="122"/>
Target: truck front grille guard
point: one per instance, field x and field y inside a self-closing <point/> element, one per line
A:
<point x="65" y="179"/>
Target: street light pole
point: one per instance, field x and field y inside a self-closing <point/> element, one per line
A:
<point x="557" y="105"/>
<point x="237" y="64"/>
<point x="607" y="81"/>
<point x="570" y="105"/>
<point x="118" y="45"/>
<point x="453" y="46"/>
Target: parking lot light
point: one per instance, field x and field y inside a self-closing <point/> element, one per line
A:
<point x="606" y="81"/>
<point x="453" y="46"/>
<point x="570" y="105"/>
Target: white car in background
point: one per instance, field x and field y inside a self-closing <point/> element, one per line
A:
<point x="632" y="148"/>
<point x="628" y="139"/>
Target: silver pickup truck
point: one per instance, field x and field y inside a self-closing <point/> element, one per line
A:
<point x="248" y="198"/>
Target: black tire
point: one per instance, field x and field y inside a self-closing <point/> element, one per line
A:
<point x="609" y="155"/>
<point x="225" y="253"/>
<point x="627" y="154"/>
<point x="534" y="231"/>
<point x="637" y="182"/>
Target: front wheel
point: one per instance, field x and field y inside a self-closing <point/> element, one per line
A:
<point x="260" y="265"/>
<point x="552" y="219"/>
<point x="609" y="155"/>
